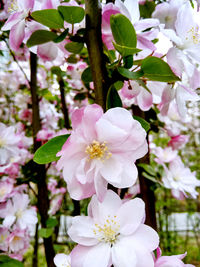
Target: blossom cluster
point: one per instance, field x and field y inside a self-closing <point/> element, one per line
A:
<point x="103" y="147"/>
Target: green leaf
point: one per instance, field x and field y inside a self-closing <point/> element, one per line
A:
<point x="74" y="47"/>
<point x="49" y="17"/>
<point x="118" y="85"/>
<point x="41" y="37"/>
<point x="62" y="36"/>
<point x="51" y="222"/>
<point x="129" y="74"/>
<point x="126" y="51"/>
<point x="45" y="232"/>
<point x="113" y="99"/>
<point x="123" y="31"/>
<point x="47" y="153"/>
<point x="148" y="168"/>
<point x="151" y="178"/>
<point x="86" y="75"/>
<point x="143" y="123"/>
<point x="6" y="261"/>
<point x="72" y="14"/>
<point x="155" y="69"/>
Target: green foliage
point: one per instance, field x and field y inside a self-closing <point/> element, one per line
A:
<point x="51" y="222"/>
<point x="155" y="69"/>
<point x="129" y="74"/>
<point x="47" y="153"/>
<point x="143" y="123"/>
<point x="72" y="14"/>
<point x="86" y="75"/>
<point x="74" y="47"/>
<point x="41" y="37"/>
<point x="62" y="36"/>
<point x="124" y="35"/>
<point x="49" y="17"/>
<point x="6" y="261"/>
<point x="113" y="98"/>
<point x="126" y="51"/>
<point x="45" y="232"/>
<point x="147" y="9"/>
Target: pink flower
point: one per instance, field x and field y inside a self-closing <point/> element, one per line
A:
<point x="169" y="261"/>
<point x="4" y="233"/>
<point x="19" y="10"/>
<point x="102" y="149"/>
<point x="180" y="179"/>
<point x="178" y="141"/>
<point x="17" y="211"/>
<point x="62" y="260"/>
<point x="18" y="241"/>
<point x="6" y="189"/>
<point x="113" y="233"/>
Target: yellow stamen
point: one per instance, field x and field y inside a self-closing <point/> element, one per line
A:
<point x="98" y="150"/>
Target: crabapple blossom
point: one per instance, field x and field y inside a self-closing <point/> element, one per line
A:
<point x="110" y="232"/>
<point x="130" y="8"/>
<point x="4" y="233"/>
<point x="62" y="260"/>
<point x="164" y="155"/>
<point x="6" y="188"/>
<point x="18" y="241"/>
<point x="180" y="179"/>
<point x="17" y="211"/>
<point x="169" y="261"/>
<point x="102" y="149"/>
<point x="19" y="10"/>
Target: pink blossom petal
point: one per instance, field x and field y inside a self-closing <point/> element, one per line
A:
<point x="131" y="214"/>
<point x="48" y="51"/>
<point x="111" y="170"/>
<point x="26" y="4"/>
<point x="16" y="35"/>
<point x="145" y="100"/>
<point x="123" y="254"/>
<point x="82" y="231"/>
<point x="146" y="234"/>
<point x="91" y="256"/>
<point x="12" y="20"/>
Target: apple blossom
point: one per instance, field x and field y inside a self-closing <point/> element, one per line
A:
<point x="180" y="179"/>
<point x="62" y="260"/>
<point x="113" y="233"/>
<point x="102" y="149"/>
<point x="17" y="211"/>
<point x="19" y="10"/>
<point x="169" y="261"/>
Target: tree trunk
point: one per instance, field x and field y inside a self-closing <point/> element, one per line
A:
<point x="95" y="50"/>
<point x="146" y="185"/>
<point x="43" y="200"/>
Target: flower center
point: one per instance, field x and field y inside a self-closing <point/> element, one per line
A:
<point x="177" y="178"/>
<point x="193" y="35"/>
<point x="2" y="142"/>
<point x="2" y="191"/>
<point x="13" y="6"/>
<point x="98" y="150"/>
<point x="109" y="232"/>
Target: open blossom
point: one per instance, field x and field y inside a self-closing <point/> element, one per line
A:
<point x="113" y="233"/>
<point x="102" y="149"/>
<point x="129" y="8"/>
<point x="18" y="241"/>
<point x="180" y="179"/>
<point x="19" y="10"/>
<point x="169" y="261"/>
<point x="62" y="260"/>
<point x="17" y="211"/>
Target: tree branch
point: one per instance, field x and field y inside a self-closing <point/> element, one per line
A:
<point x="43" y="200"/>
<point x="95" y="50"/>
